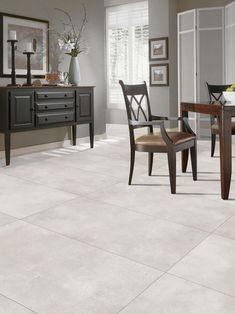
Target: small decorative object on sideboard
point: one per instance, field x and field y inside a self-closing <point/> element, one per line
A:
<point x="12" y="40"/>
<point x="70" y="41"/>
<point x="28" y="53"/>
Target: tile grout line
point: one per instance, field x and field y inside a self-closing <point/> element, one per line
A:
<point x="139" y="294"/>
<point x="170" y="274"/>
<point x="92" y="245"/>
<point x="3" y="295"/>
<point x="200" y="242"/>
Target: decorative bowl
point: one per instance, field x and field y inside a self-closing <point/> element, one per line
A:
<point x="229" y="96"/>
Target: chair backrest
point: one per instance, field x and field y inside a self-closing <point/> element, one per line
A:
<point x="136" y="101"/>
<point x="216" y="91"/>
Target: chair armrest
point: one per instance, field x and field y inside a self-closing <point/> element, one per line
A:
<point x="144" y="123"/>
<point x="187" y="126"/>
<point x="157" y="118"/>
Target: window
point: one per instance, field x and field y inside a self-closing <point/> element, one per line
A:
<point x="127" y="48"/>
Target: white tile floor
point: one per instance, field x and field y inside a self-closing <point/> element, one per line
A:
<point x="76" y="239"/>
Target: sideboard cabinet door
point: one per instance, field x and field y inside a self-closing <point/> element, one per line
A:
<point x="21" y="110"/>
<point x="84" y="106"/>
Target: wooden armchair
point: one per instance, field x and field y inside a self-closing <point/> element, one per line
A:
<point x="139" y="116"/>
<point x="215" y="94"/>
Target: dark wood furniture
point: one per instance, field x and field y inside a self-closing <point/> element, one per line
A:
<point x="32" y="108"/>
<point x="139" y="116"/>
<point x="225" y="112"/>
<point x="215" y="95"/>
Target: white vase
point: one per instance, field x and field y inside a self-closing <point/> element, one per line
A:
<point x="74" y="71"/>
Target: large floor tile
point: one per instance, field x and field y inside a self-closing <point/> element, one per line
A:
<point x="154" y="242"/>
<point x="52" y="274"/>
<point x="10" y="307"/>
<point x="171" y="295"/>
<point x="5" y="219"/>
<point x="20" y="198"/>
<point x="61" y="176"/>
<point x="151" y="195"/>
<point x="227" y="229"/>
<point x="211" y="264"/>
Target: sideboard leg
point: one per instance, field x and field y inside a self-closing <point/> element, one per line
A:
<point x="91" y="128"/>
<point x="7" y="138"/>
<point x="74" y="134"/>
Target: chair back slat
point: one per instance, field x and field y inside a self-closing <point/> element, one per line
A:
<point x="136" y="101"/>
<point x="216" y="91"/>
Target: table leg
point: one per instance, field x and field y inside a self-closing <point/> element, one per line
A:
<point x="225" y="153"/>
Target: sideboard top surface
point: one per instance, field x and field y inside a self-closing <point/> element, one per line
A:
<point x="43" y="87"/>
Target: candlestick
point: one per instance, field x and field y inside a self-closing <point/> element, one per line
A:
<point x="12" y="35"/>
<point x="28" y="54"/>
<point x="29" y="47"/>
<point x="13" y="72"/>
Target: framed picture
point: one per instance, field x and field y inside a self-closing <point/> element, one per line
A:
<point x="30" y="33"/>
<point x="159" y="74"/>
<point x="158" y="49"/>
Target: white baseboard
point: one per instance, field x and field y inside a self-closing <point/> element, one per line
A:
<point x="48" y="146"/>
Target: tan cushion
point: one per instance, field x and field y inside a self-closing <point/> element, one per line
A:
<point x="157" y="140"/>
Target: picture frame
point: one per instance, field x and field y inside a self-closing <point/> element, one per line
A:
<point x="158" y="49"/>
<point x="159" y="74"/>
<point x="28" y="30"/>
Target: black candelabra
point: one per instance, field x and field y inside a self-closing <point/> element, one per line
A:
<point x="28" y="54"/>
<point x="13" y="70"/>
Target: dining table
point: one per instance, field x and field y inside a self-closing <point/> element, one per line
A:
<point x="224" y="112"/>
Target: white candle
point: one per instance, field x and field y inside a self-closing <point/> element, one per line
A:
<point x="29" y="47"/>
<point x="12" y="35"/>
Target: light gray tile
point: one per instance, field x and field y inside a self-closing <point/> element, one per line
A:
<point x="227" y="229"/>
<point x="211" y="264"/>
<point x="20" y="198"/>
<point x="154" y="242"/>
<point x="5" y="219"/>
<point x="61" y="176"/>
<point x="10" y="307"/>
<point x="152" y="197"/>
<point x="51" y="274"/>
<point x="170" y="295"/>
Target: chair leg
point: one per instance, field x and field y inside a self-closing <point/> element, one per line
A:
<point x="213" y="140"/>
<point x="172" y="170"/>
<point x="193" y="154"/>
<point x="150" y="163"/>
<point x="132" y="162"/>
<point x="185" y="160"/>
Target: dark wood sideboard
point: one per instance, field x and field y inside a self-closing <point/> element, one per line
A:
<point x="33" y="108"/>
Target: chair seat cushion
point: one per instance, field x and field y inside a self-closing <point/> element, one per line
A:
<point x="157" y="140"/>
<point x="215" y="127"/>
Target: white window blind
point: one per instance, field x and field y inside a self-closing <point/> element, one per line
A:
<point x="127" y="48"/>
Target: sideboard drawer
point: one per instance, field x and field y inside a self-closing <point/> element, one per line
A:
<point x="54" y="94"/>
<point x="52" y="105"/>
<point x="57" y="117"/>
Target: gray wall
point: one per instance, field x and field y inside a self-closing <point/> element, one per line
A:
<point x="92" y="63"/>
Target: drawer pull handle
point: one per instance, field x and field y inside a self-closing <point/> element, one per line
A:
<point x="46" y="107"/>
<point x="66" y="117"/>
<point x="66" y="106"/>
<point x="46" y="119"/>
<point x="65" y="95"/>
<point x="45" y="96"/>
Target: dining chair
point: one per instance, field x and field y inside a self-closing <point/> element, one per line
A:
<point x="139" y="116"/>
<point x="215" y="94"/>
